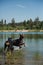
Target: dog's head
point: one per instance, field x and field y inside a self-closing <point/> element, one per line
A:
<point x="21" y="36"/>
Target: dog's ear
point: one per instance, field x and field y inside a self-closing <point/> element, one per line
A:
<point x="21" y="35"/>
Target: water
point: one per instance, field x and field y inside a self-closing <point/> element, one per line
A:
<point x="32" y="54"/>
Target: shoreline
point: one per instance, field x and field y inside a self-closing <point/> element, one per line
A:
<point x="21" y="30"/>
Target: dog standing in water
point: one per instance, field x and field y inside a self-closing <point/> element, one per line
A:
<point x="10" y="43"/>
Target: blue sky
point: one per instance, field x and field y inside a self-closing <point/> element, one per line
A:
<point x="21" y="9"/>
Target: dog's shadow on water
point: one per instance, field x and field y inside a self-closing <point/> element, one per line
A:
<point x="17" y="58"/>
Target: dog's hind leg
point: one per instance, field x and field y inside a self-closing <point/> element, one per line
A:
<point x="5" y="46"/>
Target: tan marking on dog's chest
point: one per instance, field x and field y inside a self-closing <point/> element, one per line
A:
<point x="7" y="43"/>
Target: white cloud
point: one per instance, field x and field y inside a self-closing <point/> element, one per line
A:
<point x="21" y="6"/>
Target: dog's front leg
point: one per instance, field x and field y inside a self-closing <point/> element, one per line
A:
<point x="20" y="46"/>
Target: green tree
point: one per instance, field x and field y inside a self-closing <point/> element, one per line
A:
<point x="1" y="24"/>
<point x="37" y="19"/>
<point x="24" y="22"/>
<point x="42" y="25"/>
<point x="5" y="21"/>
<point x="30" y="23"/>
<point x="13" y="22"/>
<point x="37" y="23"/>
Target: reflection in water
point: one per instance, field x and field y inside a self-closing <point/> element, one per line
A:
<point x="32" y="54"/>
<point x="34" y="36"/>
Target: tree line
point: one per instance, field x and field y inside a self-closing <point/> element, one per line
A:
<point x="29" y="24"/>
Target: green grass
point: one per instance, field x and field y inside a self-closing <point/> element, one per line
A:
<point x="15" y="57"/>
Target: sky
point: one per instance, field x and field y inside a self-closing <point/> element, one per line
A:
<point x="21" y="10"/>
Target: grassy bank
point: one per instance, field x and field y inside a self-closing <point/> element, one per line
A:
<point x="16" y="58"/>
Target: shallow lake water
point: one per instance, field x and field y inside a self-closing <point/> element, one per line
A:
<point x="32" y="54"/>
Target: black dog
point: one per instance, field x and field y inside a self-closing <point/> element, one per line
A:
<point x="10" y="43"/>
